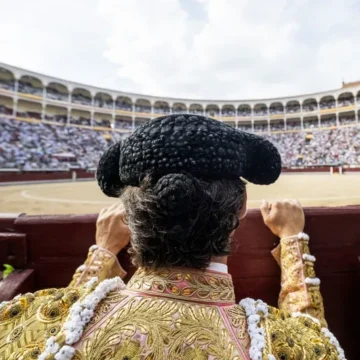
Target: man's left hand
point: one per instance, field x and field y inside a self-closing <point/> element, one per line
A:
<point x="112" y="233"/>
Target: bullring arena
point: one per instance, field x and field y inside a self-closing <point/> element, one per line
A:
<point x="62" y="126"/>
<point x="84" y="197"/>
<point x="53" y="132"/>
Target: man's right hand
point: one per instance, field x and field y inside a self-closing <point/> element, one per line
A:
<point x="284" y="218"/>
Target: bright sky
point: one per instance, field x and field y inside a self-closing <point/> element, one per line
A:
<point x="212" y="49"/>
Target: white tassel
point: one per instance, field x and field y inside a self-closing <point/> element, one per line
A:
<point x="334" y="342"/>
<point x="312" y="281"/>
<point x="81" y="268"/>
<point x="303" y="236"/>
<point x="300" y="314"/>
<point x="91" y="282"/>
<point x="308" y="257"/>
<point x="256" y="333"/>
<point x="80" y="315"/>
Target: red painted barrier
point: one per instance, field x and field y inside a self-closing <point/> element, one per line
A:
<point x="325" y="169"/>
<point x="33" y="176"/>
<point x="56" y="245"/>
<point x="9" y="176"/>
<point x="351" y="170"/>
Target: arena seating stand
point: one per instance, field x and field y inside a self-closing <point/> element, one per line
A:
<point x="47" y="249"/>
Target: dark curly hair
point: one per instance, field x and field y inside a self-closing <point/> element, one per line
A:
<point x="179" y="220"/>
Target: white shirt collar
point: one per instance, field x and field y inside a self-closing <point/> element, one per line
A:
<point x="215" y="266"/>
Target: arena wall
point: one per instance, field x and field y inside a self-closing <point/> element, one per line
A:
<point x="43" y="175"/>
<point x="47" y="249"/>
<point x="14" y="176"/>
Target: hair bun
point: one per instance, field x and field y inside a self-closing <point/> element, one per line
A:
<point x="176" y="193"/>
<point x="107" y="173"/>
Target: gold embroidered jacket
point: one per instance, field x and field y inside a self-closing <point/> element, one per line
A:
<point x="174" y="314"/>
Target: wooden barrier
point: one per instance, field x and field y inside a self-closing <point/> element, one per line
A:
<point x="350" y="170"/>
<point x="56" y="245"/>
<point x="19" y="282"/>
<point x="315" y="169"/>
<point x="28" y="176"/>
<point x="24" y="176"/>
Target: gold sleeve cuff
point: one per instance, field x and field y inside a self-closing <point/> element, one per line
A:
<point x="300" y="290"/>
<point x="100" y="263"/>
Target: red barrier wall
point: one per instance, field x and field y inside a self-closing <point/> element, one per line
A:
<point x="43" y="175"/>
<point x="56" y="245"/>
<point x="33" y="176"/>
<point x="83" y="174"/>
<point x="345" y="170"/>
<point x="325" y="169"/>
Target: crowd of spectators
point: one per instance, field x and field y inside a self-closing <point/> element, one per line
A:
<point x="247" y="127"/>
<point x="5" y="110"/>
<point x="276" y="126"/>
<point x="62" y="119"/>
<point x="262" y="112"/>
<point x="101" y="103"/>
<point x="212" y="113"/>
<point x="276" y="111"/>
<point x="345" y="102"/>
<point x="34" y="146"/>
<point x="326" y="147"/>
<point x="122" y="124"/>
<point x="310" y="107"/>
<point x="228" y="112"/>
<point x="123" y="106"/>
<point x="309" y="124"/>
<point x="161" y="110"/>
<point x="327" y="104"/>
<point x="80" y="121"/>
<point x="261" y="127"/>
<point x="178" y="111"/>
<point x="293" y="109"/>
<point x="347" y="120"/>
<point x="244" y="112"/>
<point x="328" y="122"/>
<point x="293" y="125"/>
<point x="81" y="99"/>
<point x="196" y="112"/>
<point x="7" y="84"/>
<point x="27" y="88"/>
<point x="142" y="109"/>
<point x="54" y="94"/>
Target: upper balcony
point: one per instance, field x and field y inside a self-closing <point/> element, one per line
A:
<point x="33" y="87"/>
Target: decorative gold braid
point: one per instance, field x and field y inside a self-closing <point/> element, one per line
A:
<point x="100" y="263"/>
<point x="295" y="295"/>
<point x="184" y="284"/>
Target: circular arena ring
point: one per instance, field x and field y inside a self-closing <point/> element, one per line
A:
<point x="84" y="197"/>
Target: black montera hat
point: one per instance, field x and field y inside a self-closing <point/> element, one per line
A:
<point x="187" y="144"/>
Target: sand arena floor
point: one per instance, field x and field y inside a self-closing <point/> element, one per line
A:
<point x="85" y="197"/>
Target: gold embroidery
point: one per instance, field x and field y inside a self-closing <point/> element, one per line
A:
<point x="184" y="284"/>
<point x="295" y="294"/>
<point x="195" y="354"/>
<point x="26" y="322"/>
<point x="99" y="263"/>
<point x="237" y="319"/>
<point x="55" y="309"/>
<point x="168" y="329"/>
<point x="296" y="338"/>
<point x="129" y="325"/>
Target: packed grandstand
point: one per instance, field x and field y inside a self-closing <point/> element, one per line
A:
<point x="48" y="123"/>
